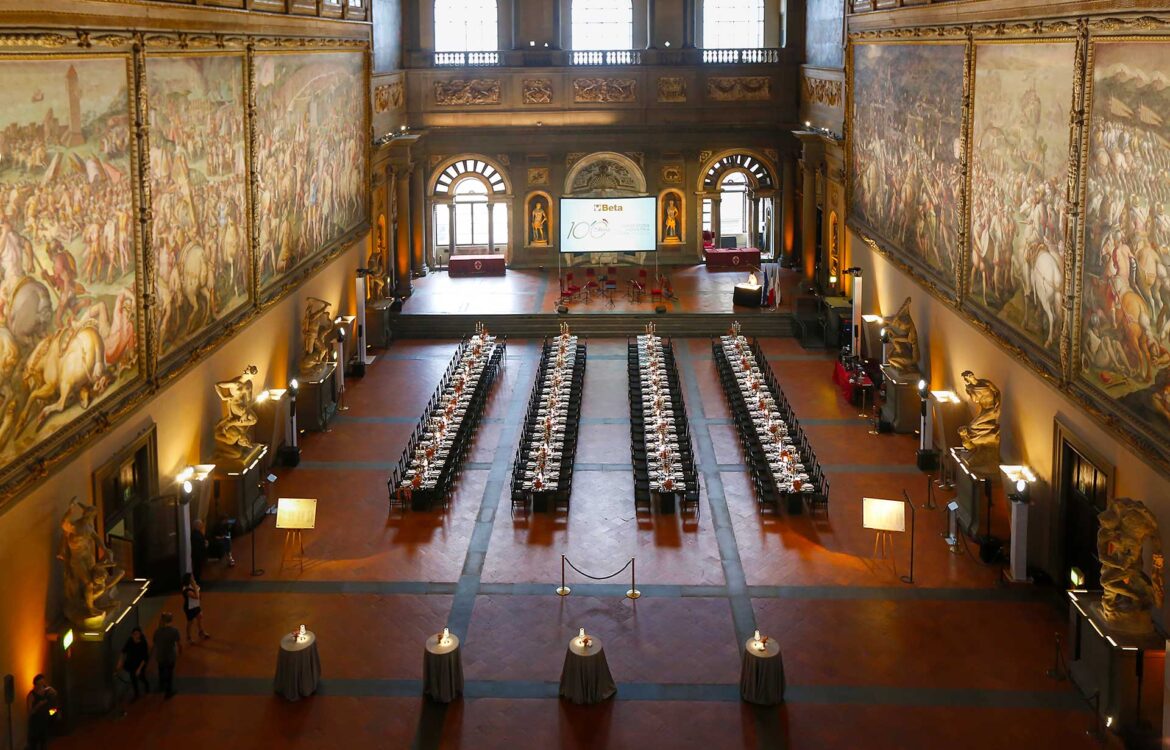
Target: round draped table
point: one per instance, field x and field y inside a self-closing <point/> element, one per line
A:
<point x="585" y="678"/>
<point x="442" y="669"/>
<point x="761" y="679"/>
<point x="298" y="667"/>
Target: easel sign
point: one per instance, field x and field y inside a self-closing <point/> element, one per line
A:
<point x="295" y="515"/>
<point x="884" y="517"/>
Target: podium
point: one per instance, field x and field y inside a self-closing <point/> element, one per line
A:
<point x="1123" y="670"/>
<point x="317" y="399"/>
<point x="236" y="488"/>
<point x="378" y="324"/>
<point x="903" y="406"/>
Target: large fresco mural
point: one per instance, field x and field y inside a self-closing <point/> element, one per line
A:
<point x="1019" y="177"/>
<point x="68" y="309"/>
<point x="907" y="130"/>
<point x="310" y="154"/>
<point x="1125" y="308"/>
<point x="198" y="193"/>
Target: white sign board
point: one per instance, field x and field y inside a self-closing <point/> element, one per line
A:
<point x="296" y="513"/>
<point x="883" y="515"/>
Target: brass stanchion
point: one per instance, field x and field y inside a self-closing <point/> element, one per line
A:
<point x="633" y="593"/>
<point x="563" y="590"/>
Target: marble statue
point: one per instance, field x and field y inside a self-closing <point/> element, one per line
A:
<point x="317" y="335"/>
<point x="903" y="352"/>
<point x="1130" y="595"/>
<point x="233" y="433"/>
<point x="376" y="285"/>
<point x="981" y="436"/>
<point x="88" y="566"/>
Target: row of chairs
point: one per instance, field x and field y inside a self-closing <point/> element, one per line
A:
<point x="689" y="493"/>
<point x="766" y="491"/>
<point x="607" y="284"/>
<point x="461" y="444"/>
<point x="561" y="494"/>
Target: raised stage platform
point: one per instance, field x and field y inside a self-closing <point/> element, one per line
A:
<point x="524" y="303"/>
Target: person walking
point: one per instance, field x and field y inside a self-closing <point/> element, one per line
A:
<point x="41" y="702"/>
<point x="167" y="648"/>
<point x="192" y="606"/>
<point x="135" y="655"/>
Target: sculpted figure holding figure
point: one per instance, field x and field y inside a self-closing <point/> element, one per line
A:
<point x="1129" y="592"/>
<point x="233" y="433"/>
<point x="981" y="435"/>
<point x="903" y="347"/>
<point x="317" y="335"/>
<point x="89" y="569"/>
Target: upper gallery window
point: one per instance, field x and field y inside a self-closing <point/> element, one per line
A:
<point x="603" y="24"/>
<point x="733" y="23"/>
<point x="465" y="25"/>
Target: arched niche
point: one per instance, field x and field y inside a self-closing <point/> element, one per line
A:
<point x="605" y="173"/>
<point x="671" y="217"/>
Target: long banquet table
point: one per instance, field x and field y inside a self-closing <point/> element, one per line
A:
<point x="662" y="451"/>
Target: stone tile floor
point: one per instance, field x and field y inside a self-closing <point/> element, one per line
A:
<point x="953" y="661"/>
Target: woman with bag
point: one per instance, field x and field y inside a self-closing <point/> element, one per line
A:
<point x="192" y="607"/>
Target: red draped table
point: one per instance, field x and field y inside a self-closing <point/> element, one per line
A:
<point x="476" y="265"/>
<point x="733" y="257"/>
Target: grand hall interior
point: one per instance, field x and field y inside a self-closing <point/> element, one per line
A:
<point x="584" y="374"/>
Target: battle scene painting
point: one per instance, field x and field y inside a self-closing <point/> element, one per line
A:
<point x="907" y="142"/>
<point x="198" y="193"/>
<point x="1019" y="176"/>
<point x="310" y="155"/>
<point x="68" y="310"/>
<point x="1125" y="308"/>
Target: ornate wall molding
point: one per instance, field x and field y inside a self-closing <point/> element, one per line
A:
<point x="389" y="96"/>
<point x="605" y="90"/>
<point x="538" y="175"/>
<point x="537" y="91"/>
<point x="672" y="89"/>
<point x="471" y="92"/>
<point x="672" y="174"/>
<point x="822" y="90"/>
<point x="739" y="88"/>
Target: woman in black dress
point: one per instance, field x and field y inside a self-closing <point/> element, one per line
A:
<point x="135" y="654"/>
<point x="192" y="607"/>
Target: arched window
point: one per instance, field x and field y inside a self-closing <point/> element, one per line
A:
<point x="470" y="210"/>
<point x="733" y="23"/>
<point x="466" y="25"/>
<point x="603" y="24"/>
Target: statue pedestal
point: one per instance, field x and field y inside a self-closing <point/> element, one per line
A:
<point x="273" y="424"/>
<point x="973" y="482"/>
<point x="1124" y="671"/>
<point x="902" y="409"/>
<point x="317" y="400"/>
<point x="236" y="492"/>
<point x="378" y="324"/>
<point x="83" y="673"/>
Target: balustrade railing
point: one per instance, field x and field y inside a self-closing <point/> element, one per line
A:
<point x="466" y="59"/>
<point x="742" y="56"/>
<point x="607" y="57"/>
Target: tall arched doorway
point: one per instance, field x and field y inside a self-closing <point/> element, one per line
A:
<point x="470" y="210"/>
<point x="738" y="190"/>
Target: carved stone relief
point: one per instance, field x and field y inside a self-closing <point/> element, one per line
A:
<point x="605" y="174"/>
<point x="672" y="174"/>
<point x="822" y="90"/>
<point x="573" y="157"/>
<point x="605" y="90"/>
<point x="739" y="88"/>
<point x="388" y="96"/>
<point x="537" y="91"/>
<point x="469" y="92"/>
<point x="538" y="175"/>
<point x="672" y="89"/>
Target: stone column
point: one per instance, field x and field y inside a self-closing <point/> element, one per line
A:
<point x="418" y="261"/>
<point x="401" y="182"/>
<point x="808" y="221"/>
<point x="787" y="210"/>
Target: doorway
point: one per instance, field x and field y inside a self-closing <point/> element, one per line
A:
<point x="1083" y="489"/>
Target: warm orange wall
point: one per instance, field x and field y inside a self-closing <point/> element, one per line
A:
<point x="1030" y="404"/>
<point x="185" y="413"/>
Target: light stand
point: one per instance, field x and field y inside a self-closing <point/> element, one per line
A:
<point x="341" y="370"/>
<point x="268" y="480"/>
<point x="9" y="697"/>
<point x="913" y="524"/>
<point x="362" y="360"/>
<point x="855" y="344"/>
<point x="290" y="452"/>
<point x="927" y="455"/>
<point x="562" y="308"/>
<point x="952" y="535"/>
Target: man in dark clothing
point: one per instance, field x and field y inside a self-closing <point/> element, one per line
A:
<point x="167" y="648"/>
<point x="198" y="550"/>
<point x="41" y="702"/>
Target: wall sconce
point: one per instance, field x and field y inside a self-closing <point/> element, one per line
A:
<point x="833" y="280"/>
<point x="531" y="43"/>
<point x="667" y="44"/>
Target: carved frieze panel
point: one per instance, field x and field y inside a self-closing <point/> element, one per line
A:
<point x="537" y="91"/>
<point x="822" y="90"/>
<point x="389" y="96"/>
<point x="538" y="175"/>
<point x="739" y="88"/>
<point x="672" y="174"/>
<point x="605" y="90"/>
<point x="470" y="92"/>
<point x="672" y="89"/>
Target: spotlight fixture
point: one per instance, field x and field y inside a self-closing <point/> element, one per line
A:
<point x="885" y="338"/>
<point x="923" y="388"/>
<point x="832" y="279"/>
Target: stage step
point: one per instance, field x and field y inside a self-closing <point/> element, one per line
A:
<point x="598" y="325"/>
